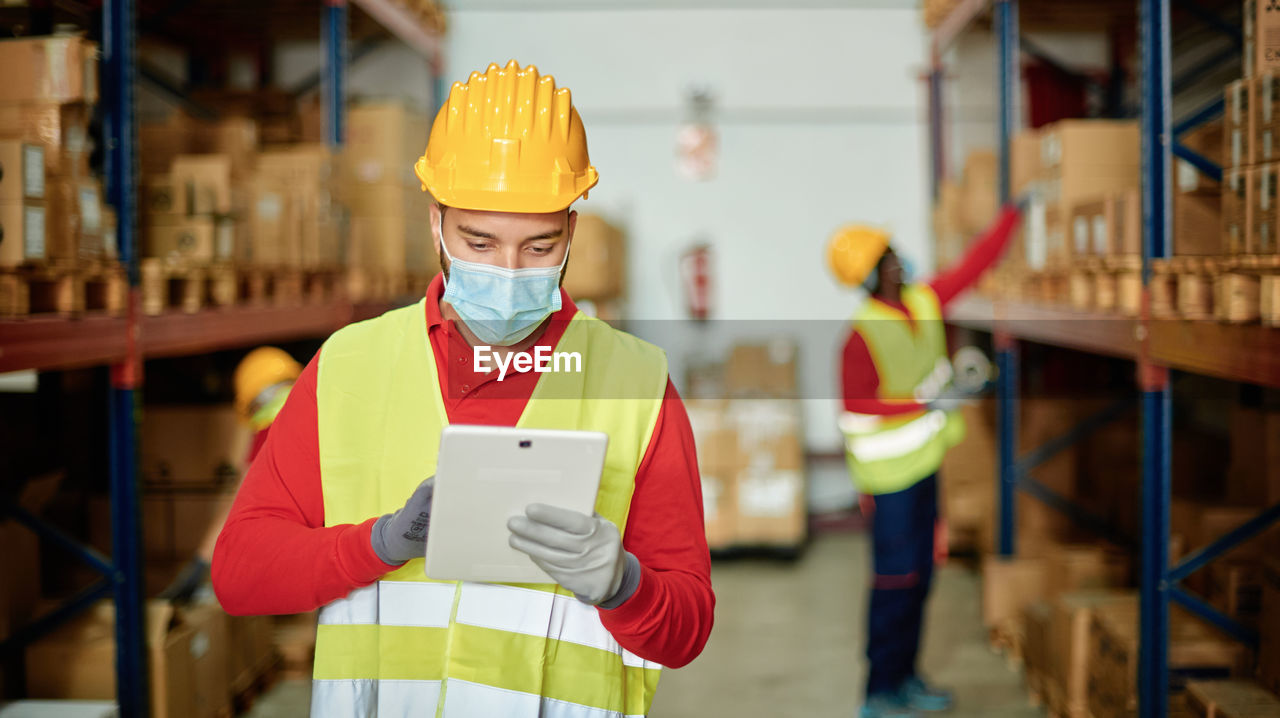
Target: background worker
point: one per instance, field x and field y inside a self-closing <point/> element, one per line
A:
<point x="897" y="429"/>
<point x="262" y="381"/>
<point x="335" y="510"/>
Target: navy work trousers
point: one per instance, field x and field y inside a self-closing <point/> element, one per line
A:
<point x="902" y="547"/>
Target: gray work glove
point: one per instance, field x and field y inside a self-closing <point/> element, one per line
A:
<point x="401" y="536"/>
<point x="582" y="553"/>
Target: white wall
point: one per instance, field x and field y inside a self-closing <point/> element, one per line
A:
<point x="820" y="120"/>
<point x="393" y="70"/>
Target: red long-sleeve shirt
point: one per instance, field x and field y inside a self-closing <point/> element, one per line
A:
<point x="275" y="555"/>
<point x="861" y="380"/>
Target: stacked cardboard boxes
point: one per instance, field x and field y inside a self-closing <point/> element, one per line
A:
<point x="193" y="655"/>
<point x="1251" y="149"/>
<point x="50" y="213"/>
<point x="1083" y="161"/>
<point x="751" y="452"/>
<point x="597" y="260"/>
<point x="1194" y="649"/>
<point x="295" y="221"/>
<point x="390" y="214"/>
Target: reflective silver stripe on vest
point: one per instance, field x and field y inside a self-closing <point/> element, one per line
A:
<point x="393" y="603"/>
<point x="898" y="441"/>
<point x="539" y="613"/>
<point x="366" y="698"/>
<point x="464" y="699"/>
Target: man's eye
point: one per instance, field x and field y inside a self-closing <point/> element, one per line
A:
<point x="478" y="246"/>
<point x="540" y="250"/>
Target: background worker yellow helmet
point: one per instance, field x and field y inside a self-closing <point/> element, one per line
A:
<point x="507" y="141"/>
<point x="854" y="250"/>
<point x="260" y="370"/>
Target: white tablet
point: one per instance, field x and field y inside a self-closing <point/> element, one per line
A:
<point x="488" y="474"/>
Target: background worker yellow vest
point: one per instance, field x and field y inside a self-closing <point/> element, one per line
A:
<point x="892" y="453"/>
<point x="468" y="649"/>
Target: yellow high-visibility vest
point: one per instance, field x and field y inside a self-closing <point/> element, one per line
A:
<point x="891" y="453"/>
<point x="410" y="646"/>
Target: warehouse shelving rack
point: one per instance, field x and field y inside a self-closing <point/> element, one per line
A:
<point x="122" y="343"/>
<point x="1155" y="347"/>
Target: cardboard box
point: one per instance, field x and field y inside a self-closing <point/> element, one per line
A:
<point x="1197" y="224"/>
<point x="20" y="566"/>
<point x="392" y="244"/>
<point x="1235" y="209"/>
<point x="1009" y="586"/>
<point x="249" y="649"/>
<point x="78" y="660"/>
<point x="981" y="194"/>
<point x="202" y="184"/>
<point x="23" y="238"/>
<point x="1037" y="623"/>
<point x="1261" y="236"/>
<point x="62" y="130"/>
<point x="1265" y="120"/>
<point x="1024" y="160"/>
<point x="597" y="260"/>
<point x="295" y="641"/>
<point x="1194" y="649"/>
<point x="1089" y="144"/>
<point x="389" y="199"/>
<point x="235" y="138"/>
<point x="210" y="659"/>
<point x="74" y="219"/>
<point x="21" y="171"/>
<point x="1068" y="655"/>
<point x="762" y="370"/>
<point x="1085" y="566"/>
<point x="1238" y="131"/>
<point x="192" y="445"/>
<point x="719" y="513"/>
<point x="1110" y="225"/>
<point x="181" y="240"/>
<point x="275" y="232"/>
<point x="309" y="165"/>
<point x="1263" y="30"/>
<point x="383" y="141"/>
<point x="56" y="68"/>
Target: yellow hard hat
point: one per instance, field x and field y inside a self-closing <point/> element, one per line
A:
<point x="260" y="370"/>
<point x="507" y="141"/>
<point x="854" y="250"/>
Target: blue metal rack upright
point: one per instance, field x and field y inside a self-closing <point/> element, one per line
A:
<point x="1149" y="349"/>
<point x="122" y="344"/>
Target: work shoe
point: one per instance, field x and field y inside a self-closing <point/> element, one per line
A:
<point x="886" y="705"/>
<point x="917" y="694"/>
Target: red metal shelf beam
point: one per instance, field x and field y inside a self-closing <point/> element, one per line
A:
<point x="56" y="343"/>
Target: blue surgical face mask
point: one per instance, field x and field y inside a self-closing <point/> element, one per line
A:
<point x="501" y="306"/>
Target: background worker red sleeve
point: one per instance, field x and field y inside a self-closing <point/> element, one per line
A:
<point x="949" y="283"/>
<point x="275" y="555"/>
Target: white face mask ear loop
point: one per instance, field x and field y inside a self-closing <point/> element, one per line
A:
<point x="444" y="276"/>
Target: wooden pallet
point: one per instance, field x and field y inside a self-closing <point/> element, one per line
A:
<point x="1106" y="284"/>
<point x="63" y="290"/>
<point x="1231" y="699"/>
<point x="372" y="285"/>
<point x="189" y="289"/>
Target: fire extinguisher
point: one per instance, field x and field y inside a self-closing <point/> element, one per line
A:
<point x="695" y="270"/>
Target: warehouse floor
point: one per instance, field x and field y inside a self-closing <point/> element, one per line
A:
<point x="789" y="638"/>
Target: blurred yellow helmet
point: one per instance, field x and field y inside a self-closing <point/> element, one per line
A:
<point x="260" y="370"/>
<point x="508" y="140"/>
<point x="854" y="250"/>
